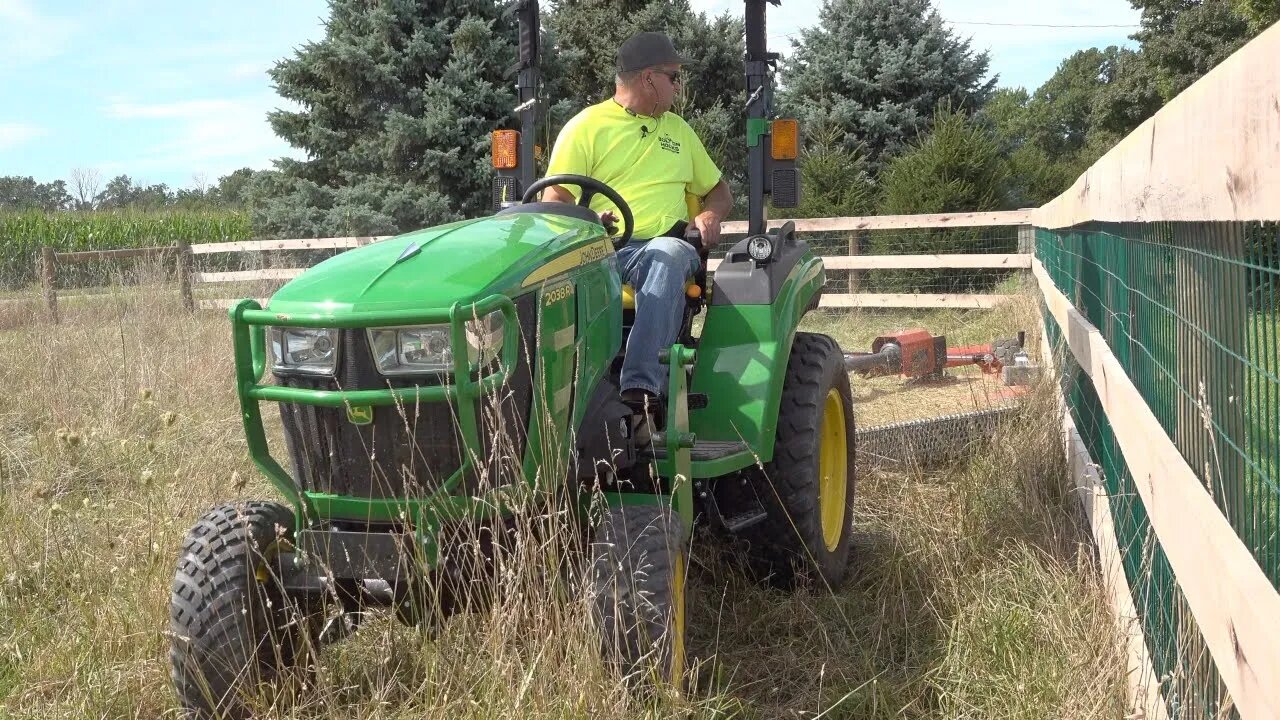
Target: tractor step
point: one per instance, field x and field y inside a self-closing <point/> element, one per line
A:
<point x="704" y="450"/>
<point x="744" y="520"/>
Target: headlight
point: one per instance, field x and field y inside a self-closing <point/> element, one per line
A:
<point x="308" y="351"/>
<point x="760" y="248"/>
<point x="428" y="349"/>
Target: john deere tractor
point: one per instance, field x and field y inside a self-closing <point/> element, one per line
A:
<point x="435" y="385"/>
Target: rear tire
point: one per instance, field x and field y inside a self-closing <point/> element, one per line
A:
<point x="808" y="487"/>
<point x="233" y="630"/>
<point x="638" y="575"/>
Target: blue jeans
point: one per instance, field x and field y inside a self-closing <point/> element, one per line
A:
<point x="658" y="270"/>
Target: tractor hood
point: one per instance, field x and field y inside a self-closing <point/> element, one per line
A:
<point x="437" y="267"/>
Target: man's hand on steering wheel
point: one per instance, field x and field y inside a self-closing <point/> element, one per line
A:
<point x="610" y="221"/>
<point x="590" y="187"/>
<point x="708" y="223"/>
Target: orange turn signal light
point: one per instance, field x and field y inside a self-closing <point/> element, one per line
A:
<point x="785" y="140"/>
<point x="506" y="149"/>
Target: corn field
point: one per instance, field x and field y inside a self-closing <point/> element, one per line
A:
<point x="23" y="234"/>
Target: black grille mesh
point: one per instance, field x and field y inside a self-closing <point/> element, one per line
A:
<point x="409" y="450"/>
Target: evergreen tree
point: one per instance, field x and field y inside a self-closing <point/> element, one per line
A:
<point x="398" y="103"/>
<point x="835" y="179"/>
<point x="232" y="189"/>
<point x="876" y="69"/>
<point x="958" y="167"/>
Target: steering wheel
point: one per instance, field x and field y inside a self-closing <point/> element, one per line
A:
<point x="589" y="186"/>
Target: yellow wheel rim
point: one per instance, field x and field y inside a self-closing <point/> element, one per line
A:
<point x="677" y="612"/>
<point x="833" y="470"/>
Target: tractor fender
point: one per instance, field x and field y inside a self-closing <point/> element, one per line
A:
<point x="742" y="359"/>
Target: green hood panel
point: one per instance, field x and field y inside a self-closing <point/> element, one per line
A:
<point x="434" y="268"/>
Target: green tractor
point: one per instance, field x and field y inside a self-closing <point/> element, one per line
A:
<point x="435" y="385"/>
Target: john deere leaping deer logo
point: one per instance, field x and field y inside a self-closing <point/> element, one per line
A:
<point x="359" y="414"/>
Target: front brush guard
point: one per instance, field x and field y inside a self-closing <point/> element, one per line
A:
<point x="249" y="322"/>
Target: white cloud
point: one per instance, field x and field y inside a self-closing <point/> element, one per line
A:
<point x="191" y="109"/>
<point x="249" y="70"/>
<point x="27" y="36"/>
<point x="15" y="134"/>
<point x="209" y="137"/>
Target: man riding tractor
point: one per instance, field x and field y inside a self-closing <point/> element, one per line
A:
<point x="634" y="143"/>
<point x="445" y="384"/>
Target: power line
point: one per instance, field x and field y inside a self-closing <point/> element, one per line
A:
<point x="1003" y="24"/>
<point x="1035" y="25"/>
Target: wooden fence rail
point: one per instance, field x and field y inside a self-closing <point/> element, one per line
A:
<point x="188" y="279"/>
<point x="51" y="259"/>
<point x="990" y="261"/>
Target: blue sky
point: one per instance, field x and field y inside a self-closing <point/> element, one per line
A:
<point x="177" y="92"/>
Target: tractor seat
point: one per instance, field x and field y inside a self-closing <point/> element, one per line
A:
<point x="691" y="289"/>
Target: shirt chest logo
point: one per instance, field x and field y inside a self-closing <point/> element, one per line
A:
<point x="669" y="145"/>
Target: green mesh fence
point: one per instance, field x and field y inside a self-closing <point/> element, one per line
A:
<point x="1191" y="311"/>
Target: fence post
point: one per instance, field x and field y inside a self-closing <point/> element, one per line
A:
<point x="855" y="248"/>
<point x="48" y="278"/>
<point x="183" y="248"/>
<point x="1026" y="239"/>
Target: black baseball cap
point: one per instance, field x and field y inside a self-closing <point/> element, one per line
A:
<point x="646" y="49"/>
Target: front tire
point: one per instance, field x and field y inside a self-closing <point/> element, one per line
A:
<point x="638" y="577"/>
<point x="808" y="487"/>
<point x="233" y="630"/>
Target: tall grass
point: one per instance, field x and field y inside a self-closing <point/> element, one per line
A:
<point x="971" y="596"/>
<point x="22" y="235"/>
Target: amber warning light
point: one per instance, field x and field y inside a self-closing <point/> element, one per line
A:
<point x="786" y="139"/>
<point x="506" y="149"/>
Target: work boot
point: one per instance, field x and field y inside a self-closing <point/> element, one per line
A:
<point x="646" y="412"/>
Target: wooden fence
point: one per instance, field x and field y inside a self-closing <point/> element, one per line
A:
<point x="1150" y="268"/>
<point x="834" y="264"/>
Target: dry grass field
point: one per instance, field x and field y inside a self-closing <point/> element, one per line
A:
<point x="974" y="592"/>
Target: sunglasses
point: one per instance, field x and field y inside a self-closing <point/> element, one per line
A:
<point x="672" y="75"/>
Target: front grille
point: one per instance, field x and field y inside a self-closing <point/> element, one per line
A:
<point x="409" y="450"/>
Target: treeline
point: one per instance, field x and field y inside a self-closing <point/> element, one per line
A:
<point x="397" y="102"/>
<point x="85" y="192"/>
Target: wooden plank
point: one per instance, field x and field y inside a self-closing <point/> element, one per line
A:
<point x="239" y="275"/>
<point x="916" y="262"/>
<point x="866" y="262"/>
<point x="267" y="245"/>
<point x="124" y="253"/>
<point x="1144" y="684"/>
<point x="49" y="280"/>
<point x="1234" y="604"/>
<point x="184" y="275"/>
<point x="888" y="300"/>
<point x="895" y="222"/>
<point x="972" y="302"/>
<point x="1210" y="154"/>
<point x="1145" y="698"/>
<point x="223" y="304"/>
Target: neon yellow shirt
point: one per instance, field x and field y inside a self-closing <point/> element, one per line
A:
<point x="651" y="162"/>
